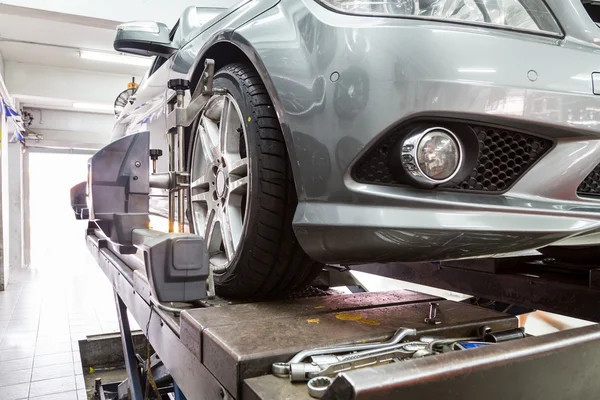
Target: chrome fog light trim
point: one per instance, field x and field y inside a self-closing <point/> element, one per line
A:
<point x="432" y="157"/>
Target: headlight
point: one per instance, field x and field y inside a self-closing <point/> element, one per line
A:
<point x="431" y="157"/>
<point x="530" y="15"/>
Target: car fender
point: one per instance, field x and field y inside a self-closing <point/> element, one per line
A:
<point x="237" y="29"/>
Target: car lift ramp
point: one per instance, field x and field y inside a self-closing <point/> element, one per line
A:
<point x="223" y="350"/>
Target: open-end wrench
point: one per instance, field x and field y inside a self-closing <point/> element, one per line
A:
<point x="329" y="365"/>
<point x="283" y="369"/>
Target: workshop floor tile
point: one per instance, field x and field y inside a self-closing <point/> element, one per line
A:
<point x="52" y="348"/>
<point x="52" y="386"/>
<point x="29" y="322"/>
<point x="5" y="317"/>
<point x="52" y="371"/>
<point x="22" y="330"/>
<point x="14" y="377"/>
<point x="19" y="337"/>
<point x="52" y="339"/>
<point x="11" y="344"/>
<point x="41" y="322"/>
<point x="78" y="368"/>
<point x="14" y="365"/>
<point x="80" y="382"/>
<point x="52" y="359"/>
<point x="71" y="395"/>
<point x="8" y="355"/>
<point x="14" y="392"/>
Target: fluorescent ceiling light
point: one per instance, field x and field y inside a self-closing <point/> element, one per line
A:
<point x="94" y="106"/>
<point x="116" y="58"/>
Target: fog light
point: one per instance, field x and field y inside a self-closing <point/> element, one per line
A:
<point x="432" y="156"/>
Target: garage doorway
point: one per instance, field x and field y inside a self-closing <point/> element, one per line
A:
<point x="66" y="278"/>
<point x="54" y="229"/>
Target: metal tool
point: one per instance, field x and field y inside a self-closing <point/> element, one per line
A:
<point x="176" y="156"/>
<point x="318" y="386"/>
<point x="449" y="342"/>
<point x="179" y="117"/>
<point x="154" y="155"/>
<point x="283" y="369"/>
<point x="432" y="318"/>
<point x="504" y="336"/>
<point x="331" y="365"/>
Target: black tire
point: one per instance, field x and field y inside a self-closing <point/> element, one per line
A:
<point x="269" y="260"/>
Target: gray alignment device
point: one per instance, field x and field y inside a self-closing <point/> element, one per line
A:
<point x="176" y="264"/>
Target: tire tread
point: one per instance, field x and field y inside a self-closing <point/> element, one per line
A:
<point x="275" y="263"/>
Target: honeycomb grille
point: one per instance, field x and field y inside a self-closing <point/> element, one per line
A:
<point x="503" y="157"/>
<point x="591" y="185"/>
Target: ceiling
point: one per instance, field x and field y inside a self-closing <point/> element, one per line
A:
<point x="48" y="38"/>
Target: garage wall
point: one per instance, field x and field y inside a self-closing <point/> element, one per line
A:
<point x="61" y="83"/>
<point x="1" y="66"/>
<point x="49" y="93"/>
<point x="118" y="10"/>
<point x="68" y="129"/>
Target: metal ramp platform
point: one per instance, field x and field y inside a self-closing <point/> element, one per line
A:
<point x="224" y="350"/>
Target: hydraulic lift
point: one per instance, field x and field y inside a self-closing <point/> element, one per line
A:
<point x="319" y="343"/>
<point x="222" y="350"/>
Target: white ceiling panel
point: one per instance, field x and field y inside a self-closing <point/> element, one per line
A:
<point x="55" y="39"/>
<point x="62" y="57"/>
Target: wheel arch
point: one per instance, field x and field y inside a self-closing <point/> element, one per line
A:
<point x="235" y="48"/>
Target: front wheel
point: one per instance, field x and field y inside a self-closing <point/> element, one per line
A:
<point x="242" y="197"/>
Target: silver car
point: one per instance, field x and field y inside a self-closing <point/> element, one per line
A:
<point x="359" y="131"/>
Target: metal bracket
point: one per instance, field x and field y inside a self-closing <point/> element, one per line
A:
<point x="185" y="116"/>
<point x="179" y="117"/>
<point x="174" y="180"/>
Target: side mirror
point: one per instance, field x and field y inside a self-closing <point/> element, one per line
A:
<point x="144" y="39"/>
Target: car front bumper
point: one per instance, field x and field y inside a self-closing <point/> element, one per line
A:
<point x="341" y="83"/>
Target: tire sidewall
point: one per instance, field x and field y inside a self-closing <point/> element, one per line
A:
<point x="235" y="88"/>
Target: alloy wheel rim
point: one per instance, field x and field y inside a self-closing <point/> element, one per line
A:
<point x="220" y="180"/>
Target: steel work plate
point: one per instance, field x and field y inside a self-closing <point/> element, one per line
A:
<point x="193" y="322"/>
<point x="272" y="387"/>
<point x="240" y="342"/>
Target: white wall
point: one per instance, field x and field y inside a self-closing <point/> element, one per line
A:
<point x="62" y="83"/>
<point x="94" y="124"/>
<point x="1" y="66"/>
<point x="12" y="181"/>
<point x="42" y="89"/>
<point x="69" y="129"/>
<point x="119" y="10"/>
